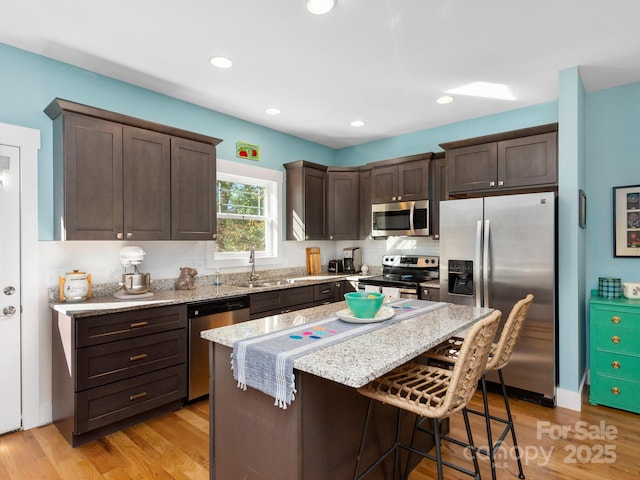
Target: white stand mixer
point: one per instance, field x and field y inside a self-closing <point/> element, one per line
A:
<point x="134" y="284"/>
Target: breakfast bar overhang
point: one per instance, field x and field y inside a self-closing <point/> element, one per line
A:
<point x="317" y="436"/>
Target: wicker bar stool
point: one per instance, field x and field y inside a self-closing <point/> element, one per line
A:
<point x="449" y="351"/>
<point x="435" y="393"/>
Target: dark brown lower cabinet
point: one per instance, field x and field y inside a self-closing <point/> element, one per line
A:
<point x="113" y="370"/>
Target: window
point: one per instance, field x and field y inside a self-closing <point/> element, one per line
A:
<point x="248" y="212"/>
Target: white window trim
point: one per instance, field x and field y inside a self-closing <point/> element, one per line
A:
<point x="242" y="170"/>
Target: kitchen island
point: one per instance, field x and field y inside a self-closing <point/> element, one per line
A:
<point x="317" y="436"/>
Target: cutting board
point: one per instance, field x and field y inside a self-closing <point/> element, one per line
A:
<point x="314" y="264"/>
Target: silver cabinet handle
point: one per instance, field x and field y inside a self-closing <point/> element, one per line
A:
<point x="9" y="290"/>
<point x="129" y="234"/>
<point x="119" y="236"/>
<point x="8" y="311"/>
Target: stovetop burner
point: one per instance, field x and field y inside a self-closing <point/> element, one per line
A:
<point x="405" y="271"/>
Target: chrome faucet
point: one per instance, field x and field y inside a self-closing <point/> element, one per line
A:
<point x="252" y="260"/>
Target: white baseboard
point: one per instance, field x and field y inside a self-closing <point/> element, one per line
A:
<point x="569" y="399"/>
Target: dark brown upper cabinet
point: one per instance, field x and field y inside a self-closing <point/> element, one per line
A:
<point x="519" y="160"/>
<point x="400" y="179"/>
<point x="306" y="187"/>
<point x="342" y="203"/>
<point x="439" y="190"/>
<point x="121" y="178"/>
<point x="364" y="202"/>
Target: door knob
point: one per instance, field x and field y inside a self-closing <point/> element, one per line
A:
<point x="8" y="311"/>
<point x="9" y="290"/>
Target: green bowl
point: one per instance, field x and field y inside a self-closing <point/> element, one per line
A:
<point x="364" y="304"/>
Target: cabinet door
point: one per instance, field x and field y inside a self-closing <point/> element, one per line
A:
<point x="91" y="163"/>
<point x="384" y="184"/>
<point x="439" y="193"/>
<point x="472" y="168"/>
<point x="193" y="190"/>
<point x="364" y="204"/>
<point x="314" y="204"/>
<point x="147" y="185"/>
<point x="413" y="180"/>
<point x="528" y="161"/>
<point x="342" y="205"/>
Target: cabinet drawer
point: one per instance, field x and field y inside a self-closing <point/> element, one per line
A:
<point x="277" y="300"/>
<point x="101" y="406"/>
<point x="120" y="326"/>
<point x="616" y="392"/>
<point x="617" y="340"/>
<point x="324" y="292"/>
<point x="114" y="361"/>
<point x="617" y="365"/>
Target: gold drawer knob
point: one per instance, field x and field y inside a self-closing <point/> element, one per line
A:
<point x="615" y="364"/>
<point x="615" y="319"/>
<point x="615" y="391"/>
<point x="615" y="339"/>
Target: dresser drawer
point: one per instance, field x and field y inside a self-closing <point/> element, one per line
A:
<point x="120" y="326"/>
<point x="617" y="365"/>
<point x="114" y="361"/>
<point x="117" y="401"/>
<point x="617" y="340"/>
<point x="616" y="319"/>
<point x="616" y="392"/>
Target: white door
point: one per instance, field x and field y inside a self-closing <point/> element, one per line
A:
<point x="10" y="404"/>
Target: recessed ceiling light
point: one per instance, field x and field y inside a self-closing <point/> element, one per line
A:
<point x="221" y="62"/>
<point x="272" y="111"/>
<point x="320" y="7"/>
<point x="486" y="90"/>
<point x="357" y="123"/>
<point x="443" y="100"/>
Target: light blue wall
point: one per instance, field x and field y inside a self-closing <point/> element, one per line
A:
<point x="613" y="160"/>
<point x="571" y="238"/>
<point x="30" y="82"/>
<point x="429" y="140"/>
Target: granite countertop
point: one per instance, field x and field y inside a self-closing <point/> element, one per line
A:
<point x="110" y="304"/>
<point x="357" y="361"/>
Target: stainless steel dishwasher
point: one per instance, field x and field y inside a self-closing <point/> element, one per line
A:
<point x="205" y="316"/>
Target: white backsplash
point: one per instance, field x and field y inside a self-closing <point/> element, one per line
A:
<point x="164" y="259"/>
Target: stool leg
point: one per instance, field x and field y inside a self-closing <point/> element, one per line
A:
<point x="364" y="431"/>
<point x="436" y="438"/>
<point x="472" y="447"/>
<point x="487" y="418"/>
<point x="409" y="452"/>
<point x="511" y="425"/>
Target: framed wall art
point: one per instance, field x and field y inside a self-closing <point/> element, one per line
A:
<point x="626" y="221"/>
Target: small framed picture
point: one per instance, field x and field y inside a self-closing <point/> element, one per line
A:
<point x="626" y="221"/>
<point x="582" y="218"/>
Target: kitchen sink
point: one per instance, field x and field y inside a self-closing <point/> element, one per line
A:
<point x="267" y="283"/>
<point x="285" y="281"/>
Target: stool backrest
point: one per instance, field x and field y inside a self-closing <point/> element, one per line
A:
<point x="471" y="363"/>
<point x="510" y="334"/>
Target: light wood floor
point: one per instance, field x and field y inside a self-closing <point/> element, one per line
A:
<point x="175" y="446"/>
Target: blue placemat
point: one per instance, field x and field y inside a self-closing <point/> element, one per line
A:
<point x="265" y="362"/>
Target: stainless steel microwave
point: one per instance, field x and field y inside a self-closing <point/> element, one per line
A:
<point x="400" y="219"/>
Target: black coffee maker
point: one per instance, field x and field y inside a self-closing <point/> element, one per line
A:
<point x="352" y="259"/>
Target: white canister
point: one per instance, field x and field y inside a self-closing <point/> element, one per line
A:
<point x="76" y="286"/>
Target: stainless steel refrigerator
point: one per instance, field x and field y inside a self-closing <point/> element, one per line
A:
<point x="495" y="250"/>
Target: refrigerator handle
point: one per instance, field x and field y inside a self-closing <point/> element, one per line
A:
<point x="477" y="266"/>
<point x="485" y="263"/>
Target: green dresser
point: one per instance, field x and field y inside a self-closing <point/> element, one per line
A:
<point x="615" y="352"/>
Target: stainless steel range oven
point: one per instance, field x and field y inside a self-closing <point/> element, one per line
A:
<point x="405" y="273"/>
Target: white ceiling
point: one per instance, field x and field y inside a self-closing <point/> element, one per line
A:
<point x="382" y="61"/>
